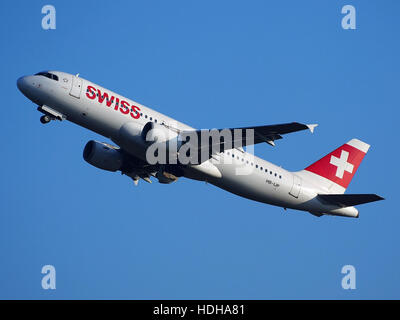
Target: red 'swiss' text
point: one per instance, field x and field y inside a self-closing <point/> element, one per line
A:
<point x="111" y="101"/>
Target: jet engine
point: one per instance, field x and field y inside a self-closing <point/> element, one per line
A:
<point x="157" y="139"/>
<point x="153" y="132"/>
<point x="162" y="144"/>
<point x="103" y="156"/>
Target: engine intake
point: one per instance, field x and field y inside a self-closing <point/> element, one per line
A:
<point x="162" y="143"/>
<point x="103" y="156"/>
<point x="153" y="132"/>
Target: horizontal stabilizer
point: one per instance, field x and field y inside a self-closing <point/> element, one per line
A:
<point x="348" y="200"/>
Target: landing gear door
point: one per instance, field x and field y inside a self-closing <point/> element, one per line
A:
<point x="76" y="87"/>
<point x="295" y="191"/>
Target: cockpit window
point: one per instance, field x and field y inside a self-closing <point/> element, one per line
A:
<point x="47" y="75"/>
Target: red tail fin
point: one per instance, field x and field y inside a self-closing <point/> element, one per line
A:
<point x="340" y="165"/>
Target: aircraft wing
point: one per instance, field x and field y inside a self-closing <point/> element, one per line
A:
<point x="267" y="134"/>
<point x="274" y="132"/>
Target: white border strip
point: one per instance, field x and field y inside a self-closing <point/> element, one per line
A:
<point x="358" y="144"/>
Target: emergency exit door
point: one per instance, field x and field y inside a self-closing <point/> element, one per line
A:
<point x="76" y="87"/>
<point x="296" y="187"/>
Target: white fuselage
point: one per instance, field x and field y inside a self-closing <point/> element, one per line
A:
<point x="262" y="181"/>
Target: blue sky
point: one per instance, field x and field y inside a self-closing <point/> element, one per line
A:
<point x="208" y="64"/>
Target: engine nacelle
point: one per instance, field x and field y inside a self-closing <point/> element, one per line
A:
<point x="162" y="143"/>
<point x="103" y="156"/>
<point x="154" y="143"/>
<point x="153" y="132"/>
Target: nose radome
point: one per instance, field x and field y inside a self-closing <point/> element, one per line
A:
<point x="22" y="84"/>
<point x="19" y="82"/>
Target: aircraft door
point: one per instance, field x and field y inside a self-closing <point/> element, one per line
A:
<point x="76" y="87"/>
<point x="295" y="191"/>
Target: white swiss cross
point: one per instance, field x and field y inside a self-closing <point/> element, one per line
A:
<point x="342" y="164"/>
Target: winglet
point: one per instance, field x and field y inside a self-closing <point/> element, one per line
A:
<point x="270" y="142"/>
<point x="312" y="127"/>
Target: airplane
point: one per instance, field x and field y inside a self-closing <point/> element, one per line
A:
<point x="318" y="189"/>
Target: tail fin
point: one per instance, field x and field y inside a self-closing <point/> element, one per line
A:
<point x="335" y="170"/>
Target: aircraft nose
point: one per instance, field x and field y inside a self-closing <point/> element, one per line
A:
<point x="27" y="85"/>
<point x="22" y="84"/>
